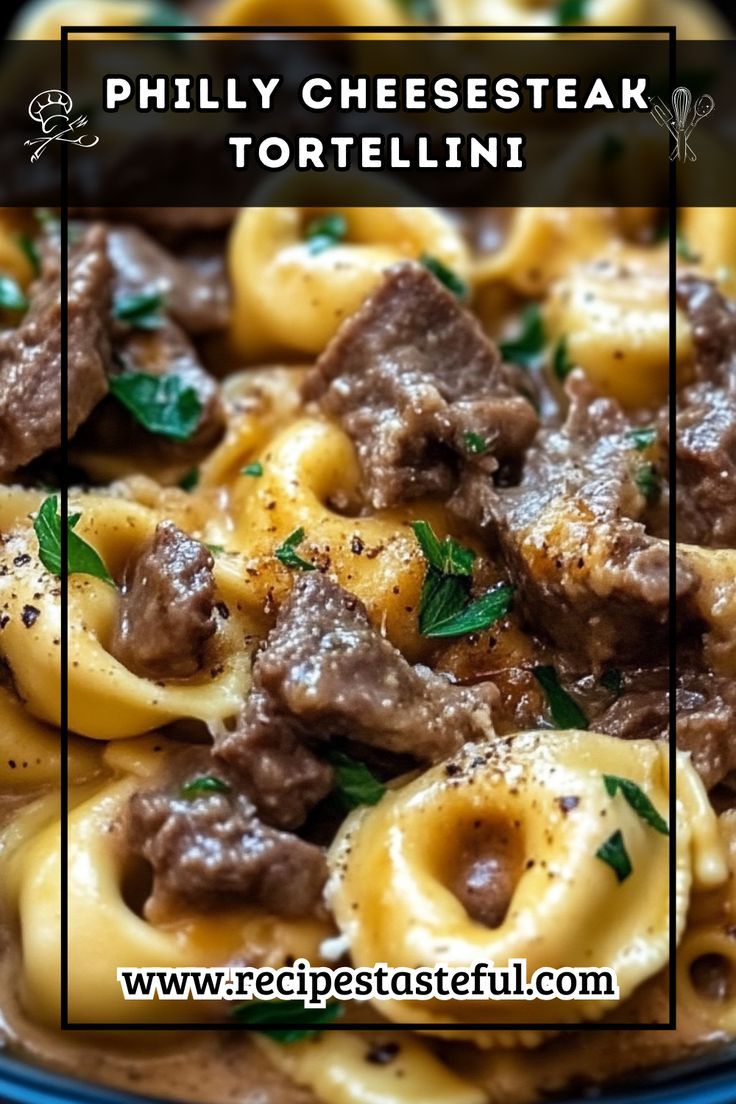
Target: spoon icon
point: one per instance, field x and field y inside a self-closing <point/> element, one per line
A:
<point x="703" y="107"/>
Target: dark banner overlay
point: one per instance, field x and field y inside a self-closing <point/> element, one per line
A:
<point x="184" y="122"/>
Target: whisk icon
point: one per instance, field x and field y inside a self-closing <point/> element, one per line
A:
<point x="682" y="119"/>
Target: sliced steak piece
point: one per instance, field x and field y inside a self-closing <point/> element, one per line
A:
<point x="30" y="355"/>
<point x="325" y="671"/>
<point x="196" y="297"/>
<point x="210" y="848"/>
<point x="586" y="570"/>
<point x="165" y="615"/>
<point x="410" y="375"/>
<point x="706" y="421"/>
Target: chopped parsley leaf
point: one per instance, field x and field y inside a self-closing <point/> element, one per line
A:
<point x="637" y="799"/>
<point x="165" y="405"/>
<point x="141" y="310"/>
<point x="255" y="469"/>
<point x="526" y="348"/>
<point x="420" y="9"/>
<point x="82" y="559"/>
<point x="11" y="295"/>
<point x="571" y="11"/>
<point x="474" y="443"/>
<point x="649" y="483"/>
<point x="30" y="249"/>
<point x="445" y="275"/>
<point x="286" y="554"/>
<point x="642" y="437"/>
<point x="206" y="784"/>
<point x="267" y="1016"/>
<point x="565" y="711"/>
<point x="562" y="366"/>
<point x="613" y="852"/>
<point x="443" y="617"/>
<point x="189" y="481"/>
<point x="684" y="251"/>
<point x="447" y="556"/>
<point x="325" y="231"/>
<point x="356" y="784"/>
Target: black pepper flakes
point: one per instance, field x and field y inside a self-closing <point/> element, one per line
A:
<point x="30" y="616"/>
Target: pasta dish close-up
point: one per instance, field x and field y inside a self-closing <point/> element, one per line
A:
<point x="367" y="629"/>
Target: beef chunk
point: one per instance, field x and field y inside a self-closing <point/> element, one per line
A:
<point x="166" y="608"/>
<point x="325" y="671"/>
<point x="195" y="297"/>
<point x="706" y="421"/>
<point x="30" y="356"/>
<point x="585" y="568"/>
<point x="409" y="375"/>
<point x="486" y="875"/>
<point x="211" y="849"/>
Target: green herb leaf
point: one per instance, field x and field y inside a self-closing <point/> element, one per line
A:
<point x="613" y="852"/>
<point x="526" y="348"/>
<point x="637" y="799"/>
<point x="356" y="785"/>
<point x="445" y="275"/>
<point x="562" y="366"/>
<point x="215" y="549"/>
<point x="649" y="483"/>
<point x="475" y="444"/>
<point x="287" y="556"/>
<point x="473" y="617"/>
<point x="141" y="310"/>
<point x="266" y="1016"/>
<point x="442" y="597"/>
<point x="447" y="556"/>
<point x="420" y="9"/>
<point x="571" y="11"/>
<point x="82" y="559"/>
<point x="206" y="784"/>
<point x="11" y="295"/>
<point x="684" y="251"/>
<point x="565" y="711"/>
<point x="326" y="231"/>
<point x="611" y="680"/>
<point x="29" y="247"/>
<point x="164" y="405"/>
<point x="256" y="470"/>
<point x="642" y="437"/>
<point x="189" y="481"/>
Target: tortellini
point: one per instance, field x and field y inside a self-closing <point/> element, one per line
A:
<point x="543" y="794"/>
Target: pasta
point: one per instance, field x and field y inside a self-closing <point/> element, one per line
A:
<point x="368" y="627"/>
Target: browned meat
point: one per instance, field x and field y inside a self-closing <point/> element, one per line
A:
<point x="410" y="375"/>
<point x="486" y="875"/>
<point x="210" y="848"/>
<point x="586" y="570"/>
<point x="325" y="671"/>
<point x="196" y="298"/>
<point x="30" y="356"/>
<point x="165" y="615"/>
<point x="706" y="421"/>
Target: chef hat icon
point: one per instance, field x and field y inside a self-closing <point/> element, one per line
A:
<point x="49" y="106"/>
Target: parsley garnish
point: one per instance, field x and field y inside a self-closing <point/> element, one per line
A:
<point x="614" y="853"/>
<point x="611" y="680"/>
<point x="141" y="310"/>
<point x="30" y="249"/>
<point x="287" y="556"/>
<point x="214" y="549"/>
<point x="526" y="348"/>
<point x="475" y="444"/>
<point x="325" y="231"/>
<point x="642" y="437"/>
<point x="420" y="9"/>
<point x="562" y="366"/>
<point x="447" y="556"/>
<point x="267" y="1015"/>
<point x="11" y="295"/>
<point x="637" y="799"/>
<point x="445" y="275"/>
<point x="82" y="559"/>
<point x="684" y="251"/>
<point x="256" y="470"/>
<point x="189" y="481"/>
<point x="356" y="785"/>
<point x="566" y="713"/>
<point x="165" y="405"/>
<point x="649" y="483"/>
<point x="206" y="784"/>
<point x="571" y="11"/>
<point x="445" y="605"/>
